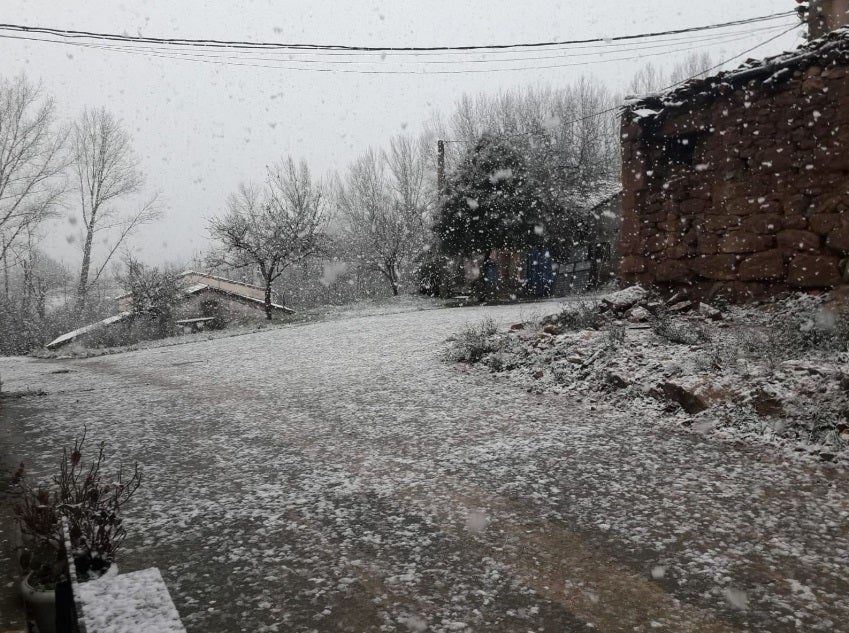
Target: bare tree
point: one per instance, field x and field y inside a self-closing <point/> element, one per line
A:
<point x="275" y="225"/>
<point x="30" y="161"/>
<point x="569" y="132"/>
<point x="650" y="79"/>
<point x="106" y="171"/>
<point x="385" y="204"/>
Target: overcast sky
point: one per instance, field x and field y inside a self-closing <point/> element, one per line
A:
<point x="200" y="128"/>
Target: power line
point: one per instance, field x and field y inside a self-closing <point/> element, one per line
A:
<point x="746" y="52"/>
<point x="616" y="108"/>
<point x="358" y="58"/>
<point x="237" y="44"/>
<point x="604" y="44"/>
<point x="286" y="65"/>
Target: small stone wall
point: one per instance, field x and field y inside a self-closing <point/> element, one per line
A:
<point x="740" y="183"/>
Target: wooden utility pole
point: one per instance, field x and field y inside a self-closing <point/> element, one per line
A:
<point x="440" y="167"/>
<point x="445" y="284"/>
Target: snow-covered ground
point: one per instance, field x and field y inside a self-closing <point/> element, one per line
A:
<point x="340" y="476"/>
<point x="774" y="374"/>
<point x="365" y="307"/>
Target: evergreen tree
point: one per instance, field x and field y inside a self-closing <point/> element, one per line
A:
<point x="491" y="203"/>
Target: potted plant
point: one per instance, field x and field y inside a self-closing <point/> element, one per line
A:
<point x="90" y="505"/>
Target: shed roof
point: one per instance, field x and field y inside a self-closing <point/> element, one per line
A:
<point x="198" y="288"/>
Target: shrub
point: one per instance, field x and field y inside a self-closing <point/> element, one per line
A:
<point x="824" y="332"/>
<point x="680" y="333"/>
<point x="474" y="341"/>
<point x="614" y="336"/>
<point x="581" y="316"/>
<point x="92" y="507"/>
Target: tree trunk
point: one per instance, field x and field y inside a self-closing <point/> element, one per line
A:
<point x="268" y="299"/>
<point x="82" y="288"/>
<point x="6" y="272"/>
<point x="388" y="271"/>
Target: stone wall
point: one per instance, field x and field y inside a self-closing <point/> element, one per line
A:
<point x="740" y="183"/>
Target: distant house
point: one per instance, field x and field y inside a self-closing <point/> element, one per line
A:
<point x="204" y="300"/>
<point x="237" y="299"/>
<point x="595" y="261"/>
<point x="536" y="272"/>
<point x="738" y="184"/>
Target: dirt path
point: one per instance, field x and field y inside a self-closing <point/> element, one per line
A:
<point x="340" y="477"/>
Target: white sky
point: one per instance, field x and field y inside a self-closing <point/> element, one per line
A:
<point x="199" y="129"/>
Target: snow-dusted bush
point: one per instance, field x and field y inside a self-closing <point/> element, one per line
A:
<point x="580" y="316"/>
<point x="615" y="335"/>
<point x="474" y="341"/>
<point x="823" y="331"/>
<point x="89" y="500"/>
<point x="681" y="333"/>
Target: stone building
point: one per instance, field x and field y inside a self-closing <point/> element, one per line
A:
<point x="739" y="183"/>
<point x="203" y="299"/>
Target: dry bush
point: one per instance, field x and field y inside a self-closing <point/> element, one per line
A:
<point x="474" y="341"/>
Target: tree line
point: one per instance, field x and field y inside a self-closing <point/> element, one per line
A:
<point x="519" y="166"/>
<point x="86" y="168"/>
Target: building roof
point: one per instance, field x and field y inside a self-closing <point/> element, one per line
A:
<point x="193" y="273"/>
<point x="592" y="195"/>
<point x="769" y="73"/>
<point x="70" y="336"/>
<point x="198" y="288"/>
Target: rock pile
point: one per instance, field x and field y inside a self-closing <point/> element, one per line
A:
<point x="774" y="372"/>
<point x="634" y="304"/>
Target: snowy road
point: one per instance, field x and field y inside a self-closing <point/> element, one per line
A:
<point x="339" y="477"/>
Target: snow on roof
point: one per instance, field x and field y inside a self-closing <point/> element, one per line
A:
<point x="603" y="193"/>
<point x="70" y="336"/>
<point x="593" y="194"/>
<point x="191" y="290"/>
<point x="194" y="273"/>
<point x="832" y="48"/>
<point x="194" y="289"/>
<point x="188" y="273"/>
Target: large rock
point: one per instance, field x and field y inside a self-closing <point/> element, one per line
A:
<point x="671" y="270"/>
<point x="813" y="271"/>
<point x="709" y="312"/>
<point x="797" y="240"/>
<point x="823" y="223"/>
<point x="693" y="206"/>
<point x="765" y="266"/>
<point x="638" y="314"/>
<point x="719" y="267"/>
<point x="744" y="242"/>
<point x="838" y="238"/>
<point x="632" y="264"/>
<point x="762" y="223"/>
<point x="626" y="298"/>
<point x="721" y="222"/>
<point x="694" y="397"/>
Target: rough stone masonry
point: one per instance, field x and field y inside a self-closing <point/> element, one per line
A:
<point x="739" y="183"/>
